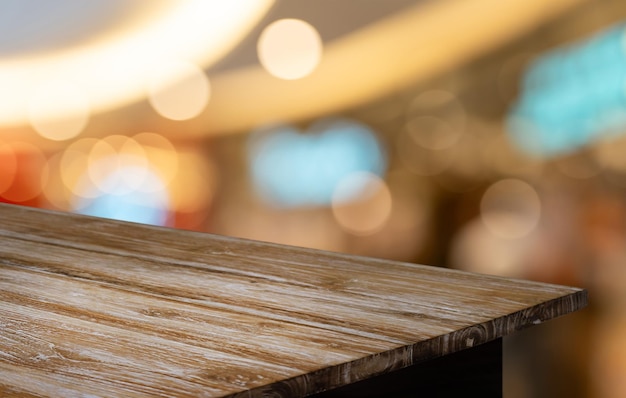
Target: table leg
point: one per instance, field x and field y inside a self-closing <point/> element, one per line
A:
<point x="474" y="372"/>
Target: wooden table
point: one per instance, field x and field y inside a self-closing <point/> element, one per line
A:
<point x="93" y="307"/>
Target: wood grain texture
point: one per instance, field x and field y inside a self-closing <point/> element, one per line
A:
<point x="99" y="308"/>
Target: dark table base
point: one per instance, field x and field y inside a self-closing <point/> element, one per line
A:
<point x="475" y="372"/>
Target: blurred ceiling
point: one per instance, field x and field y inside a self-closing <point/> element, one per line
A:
<point x="34" y="26"/>
<point x="370" y="49"/>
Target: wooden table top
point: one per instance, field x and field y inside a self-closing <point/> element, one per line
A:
<point x="94" y="307"/>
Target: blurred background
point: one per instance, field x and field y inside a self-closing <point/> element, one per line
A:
<point x="482" y="135"/>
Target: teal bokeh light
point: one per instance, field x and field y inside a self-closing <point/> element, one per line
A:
<point x="572" y="96"/>
<point x="145" y="203"/>
<point x="291" y="168"/>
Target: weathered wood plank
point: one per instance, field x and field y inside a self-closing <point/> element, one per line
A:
<point x="103" y="308"/>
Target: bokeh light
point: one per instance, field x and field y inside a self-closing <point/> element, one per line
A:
<point x="404" y="235"/>
<point x="178" y="90"/>
<point x="55" y="191"/>
<point x="440" y="104"/>
<point x="59" y="110"/>
<point x="28" y="169"/>
<point x="74" y="166"/>
<point x="361" y="203"/>
<point x="193" y="187"/>
<point x="160" y="153"/>
<point x="114" y="153"/>
<point x="289" y="49"/>
<point x="476" y="248"/>
<point x="572" y="96"/>
<point x="510" y="208"/>
<point x="146" y="202"/>
<point x="145" y="174"/>
<point x="139" y="178"/>
<point x="293" y="168"/>
<point x="432" y="133"/>
<point x="419" y="160"/>
<point x="435" y="122"/>
<point x="8" y="168"/>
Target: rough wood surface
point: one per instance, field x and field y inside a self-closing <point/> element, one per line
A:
<point x="93" y="307"/>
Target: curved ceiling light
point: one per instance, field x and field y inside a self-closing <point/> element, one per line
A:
<point x="418" y="43"/>
<point x="111" y="68"/>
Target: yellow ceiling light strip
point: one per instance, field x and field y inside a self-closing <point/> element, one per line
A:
<point x="413" y="45"/>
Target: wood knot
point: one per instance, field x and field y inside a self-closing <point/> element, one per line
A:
<point x="159" y="313"/>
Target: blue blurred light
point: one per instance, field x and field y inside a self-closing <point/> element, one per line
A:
<point x="291" y="168"/>
<point x="146" y="203"/>
<point x="572" y="96"/>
